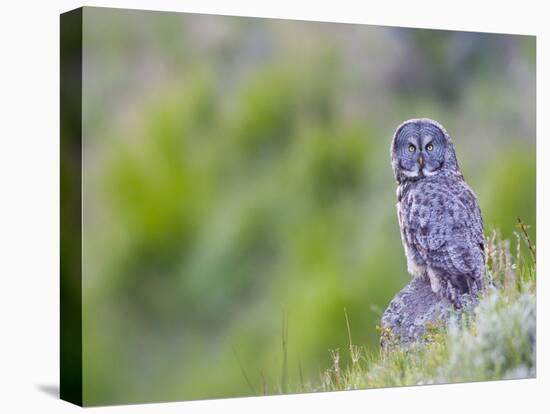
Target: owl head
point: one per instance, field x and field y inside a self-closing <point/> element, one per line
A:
<point x="422" y="148"/>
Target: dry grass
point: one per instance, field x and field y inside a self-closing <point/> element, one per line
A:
<point x="496" y="340"/>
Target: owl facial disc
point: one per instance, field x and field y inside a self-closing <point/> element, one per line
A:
<point x="421" y="148"/>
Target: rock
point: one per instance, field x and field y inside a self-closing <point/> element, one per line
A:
<point x="414" y="310"/>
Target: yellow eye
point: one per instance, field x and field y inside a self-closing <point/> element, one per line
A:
<point x="412" y="148"/>
<point x="429" y="147"/>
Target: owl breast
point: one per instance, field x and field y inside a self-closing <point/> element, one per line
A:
<point x="442" y="234"/>
<point x="416" y="265"/>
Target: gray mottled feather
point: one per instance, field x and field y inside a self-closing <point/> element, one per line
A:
<point x="443" y="227"/>
<point x="440" y="220"/>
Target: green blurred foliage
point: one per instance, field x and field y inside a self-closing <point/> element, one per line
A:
<point x="237" y="181"/>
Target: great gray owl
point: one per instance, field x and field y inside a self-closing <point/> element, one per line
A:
<point x="439" y="215"/>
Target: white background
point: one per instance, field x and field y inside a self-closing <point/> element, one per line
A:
<point x="29" y="205"/>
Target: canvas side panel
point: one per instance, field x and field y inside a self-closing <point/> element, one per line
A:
<point x="71" y="207"/>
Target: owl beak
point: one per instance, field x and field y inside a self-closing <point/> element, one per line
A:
<point x="421" y="161"/>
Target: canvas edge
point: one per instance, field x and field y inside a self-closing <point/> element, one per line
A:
<point x="70" y="369"/>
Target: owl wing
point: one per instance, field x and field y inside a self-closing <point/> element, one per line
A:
<point x="448" y="233"/>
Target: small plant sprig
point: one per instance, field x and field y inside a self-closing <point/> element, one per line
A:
<point x="435" y="332"/>
<point x="532" y="248"/>
<point x="334" y="374"/>
<point x="354" y="351"/>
